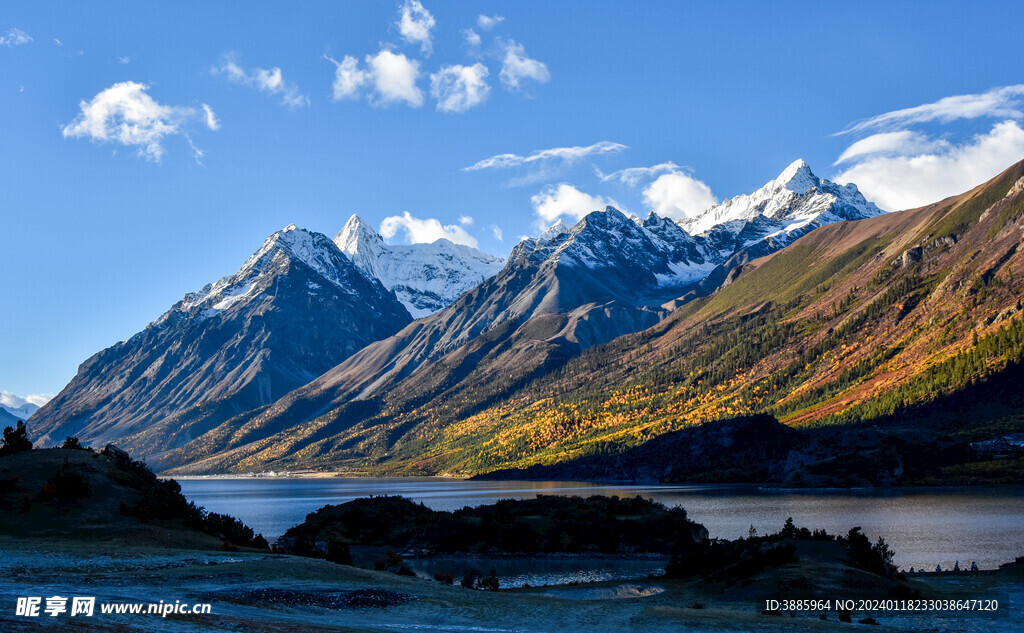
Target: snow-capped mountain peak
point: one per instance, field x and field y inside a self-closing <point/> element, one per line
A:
<point x="424" y="277"/>
<point x="783" y="209"/>
<point x="798" y="177"/>
<point x="275" y="256"/>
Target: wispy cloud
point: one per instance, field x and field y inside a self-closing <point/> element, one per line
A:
<point x="424" y="231"/>
<point x="15" y="37"/>
<point x="127" y="115"/>
<point x="632" y="176"/>
<point x="903" y="178"/>
<point x="914" y="157"/>
<point x="488" y="22"/>
<point x="473" y="40"/>
<point x="414" y="24"/>
<point x="458" y="88"/>
<point x="124" y="60"/>
<point x="211" y="119"/>
<point x="559" y="154"/>
<point x="1001" y="102"/>
<point x="518" y="69"/>
<point x="270" y="81"/>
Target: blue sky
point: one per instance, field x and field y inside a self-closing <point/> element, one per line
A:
<point x="245" y="117"/>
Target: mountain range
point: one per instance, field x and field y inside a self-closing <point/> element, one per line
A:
<point x="801" y="299"/>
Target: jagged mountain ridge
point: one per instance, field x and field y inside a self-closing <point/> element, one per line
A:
<point x="822" y="330"/>
<point x="559" y="294"/>
<point x="297" y="307"/>
<point x="425" y="277"/>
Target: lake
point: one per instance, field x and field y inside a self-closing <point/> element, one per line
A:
<point x="925" y="526"/>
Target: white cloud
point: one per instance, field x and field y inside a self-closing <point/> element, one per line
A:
<point x="516" y="67"/>
<point x="915" y="179"/>
<point x="424" y="231"/>
<point x="349" y="79"/>
<point x="496" y="232"/>
<point x="902" y="142"/>
<point x="999" y="102"/>
<point x="58" y="42"/>
<point x="211" y="118"/>
<point x="555" y="201"/>
<point x="565" y="154"/>
<point x="15" y="37"/>
<point x="459" y="88"/>
<point x="488" y="22"/>
<point x="633" y="175"/>
<point x="266" y="80"/>
<point x="465" y="220"/>
<point x="16" y="402"/>
<point x="678" y="195"/>
<point x="387" y="78"/>
<point x="125" y="114"/>
<point x="472" y="38"/>
<point x="414" y="23"/>
<point x="394" y="78"/>
<point x="124" y="60"/>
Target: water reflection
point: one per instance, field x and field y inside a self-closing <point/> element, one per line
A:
<point x="926" y="526"/>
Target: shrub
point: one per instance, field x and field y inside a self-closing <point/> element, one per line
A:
<point x="73" y="444"/>
<point x="67" y="484"/>
<point x="15" y="440"/>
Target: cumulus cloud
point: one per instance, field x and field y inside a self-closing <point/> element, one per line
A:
<point x="15" y="37"/>
<point x="385" y="78"/>
<point x="415" y="23"/>
<point x="394" y="78"/>
<point x="465" y="220"/>
<point x="905" y="179"/>
<point x="270" y="81"/>
<point x="211" y="118"/>
<point x="1001" y="102"/>
<point x="424" y="231"/>
<point x="678" y="195"/>
<point x="517" y="69"/>
<point x="555" y="201"/>
<point x="459" y="88"/>
<point x="125" y="114"/>
<point x="488" y="22"/>
<point x="561" y="154"/>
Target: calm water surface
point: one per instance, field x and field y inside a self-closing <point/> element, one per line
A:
<point x="925" y="526"/>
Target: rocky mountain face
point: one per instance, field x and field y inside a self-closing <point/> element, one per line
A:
<point x="559" y="294"/>
<point x="425" y="277"/>
<point x="589" y="338"/>
<point x="900" y="320"/>
<point x="295" y="309"/>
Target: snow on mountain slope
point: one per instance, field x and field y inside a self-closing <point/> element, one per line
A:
<point x="424" y="277"/>
<point x="782" y="210"/>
